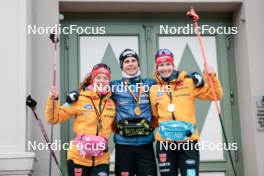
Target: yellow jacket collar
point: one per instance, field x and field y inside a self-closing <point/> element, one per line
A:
<point x="94" y="94"/>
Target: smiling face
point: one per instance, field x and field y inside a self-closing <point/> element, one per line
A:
<point x="165" y="69"/>
<point x="130" y="66"/>
<point x="101" y="80"/>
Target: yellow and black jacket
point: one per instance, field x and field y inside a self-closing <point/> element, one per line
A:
<point x="85" y="122"/>
<point x="183" y="94"/>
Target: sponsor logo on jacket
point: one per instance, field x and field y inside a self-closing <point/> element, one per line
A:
<point x="162" y="157"/>
<point x="182" y="95"/>
<point x="102" y="174"/>
<point x="110" y="103"/>
<point x="122" y="102"/>
<point x="110" y="109"/>
<point x="110" y="116"/>
<point x="159" y="94"/>
<point x="145" y="95"/>
<point x="179" y="83"/>
<point x="88" y="106"/>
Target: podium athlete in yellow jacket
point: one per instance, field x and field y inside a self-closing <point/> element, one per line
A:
<point x="93" y="113"/>
<point x="173" y="100"/>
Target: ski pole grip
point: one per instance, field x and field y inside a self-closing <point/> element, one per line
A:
<point x="31" y="102"/>
<point x="192" y="14"/>
<point x="54" y="38"/>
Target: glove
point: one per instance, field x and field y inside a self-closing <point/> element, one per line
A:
<point x="197" y="79"/>
<point x="31" y="102"/>
<point x="72" y="96"/>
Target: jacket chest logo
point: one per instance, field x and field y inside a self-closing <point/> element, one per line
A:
<point x="179" y="83"/>
<point x="159" y="94"/>
<point x="122" y="102"/>
<point x="88" y="106"/>
<point x="109" y="103"/>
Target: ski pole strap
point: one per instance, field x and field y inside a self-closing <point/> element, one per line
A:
<point x="176" y="130"/>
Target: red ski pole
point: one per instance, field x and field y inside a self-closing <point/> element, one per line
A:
<point x="31" y="103"/>
<point x="195" y="17"/>
<point x="55" y="40"/>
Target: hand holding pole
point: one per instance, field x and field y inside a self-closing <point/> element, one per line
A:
<point x="195" y="17"/>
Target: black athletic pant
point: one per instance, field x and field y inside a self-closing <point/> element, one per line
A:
<point x="135" y="160"/>
<point x="80" y="170"/>
<point x="172" y="159"/>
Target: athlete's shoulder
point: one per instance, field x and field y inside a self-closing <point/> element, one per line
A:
<point x="149" y="81"/>
<point x="116" y="82"/>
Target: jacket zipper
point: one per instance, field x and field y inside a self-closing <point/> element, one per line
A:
<point x="172" y="113"/>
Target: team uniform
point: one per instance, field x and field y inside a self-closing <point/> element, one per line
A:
<point x="134" y="152"/>
<point x="134" y="136"/>
<point x="181" y="97"/>
<point x="93" y="115"/>
<point x="173" y="108"/>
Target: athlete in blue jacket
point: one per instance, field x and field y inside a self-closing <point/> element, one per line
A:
<point x="134" y="153"/>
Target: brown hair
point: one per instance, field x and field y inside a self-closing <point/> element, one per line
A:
<point x="86" y="81"/>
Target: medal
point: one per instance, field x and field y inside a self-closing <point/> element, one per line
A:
<point x="137" y="110"/>
<point x="99" y="113"/>
<point x="171" y="108"/>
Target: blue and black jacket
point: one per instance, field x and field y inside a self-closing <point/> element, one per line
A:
<point x="125" y="105"/>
